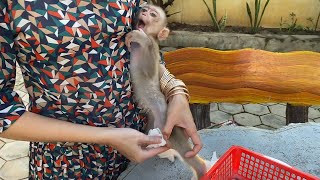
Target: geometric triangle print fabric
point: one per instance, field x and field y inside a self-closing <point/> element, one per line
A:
<point x="75" y="66"/>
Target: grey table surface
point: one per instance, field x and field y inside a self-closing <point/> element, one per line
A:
<point x="297" y="145"/>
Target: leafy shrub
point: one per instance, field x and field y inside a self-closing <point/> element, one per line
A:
<point x="221" y="24"/>
<point x="256" y="20"/>
<point x="164" y="5"/>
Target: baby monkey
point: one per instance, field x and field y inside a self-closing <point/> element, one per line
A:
<point x="150" y="27"/>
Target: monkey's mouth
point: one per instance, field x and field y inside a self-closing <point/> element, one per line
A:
<point x="141" y="24"/>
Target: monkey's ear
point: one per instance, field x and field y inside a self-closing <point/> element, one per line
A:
<point x="163" y="34"/>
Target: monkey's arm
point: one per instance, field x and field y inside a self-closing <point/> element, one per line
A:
<point x="179" y="114"/>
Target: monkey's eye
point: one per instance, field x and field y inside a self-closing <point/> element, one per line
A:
<point x="153" y="14"/>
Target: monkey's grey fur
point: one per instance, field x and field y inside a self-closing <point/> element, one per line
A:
<point x="144" y="70"/>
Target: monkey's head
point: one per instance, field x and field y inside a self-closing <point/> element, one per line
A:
<point x="153" y="21"/>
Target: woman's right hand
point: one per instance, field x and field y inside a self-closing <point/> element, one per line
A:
<point x="131" y="143"/>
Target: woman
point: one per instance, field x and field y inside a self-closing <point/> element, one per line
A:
<point x="82" y="122"/>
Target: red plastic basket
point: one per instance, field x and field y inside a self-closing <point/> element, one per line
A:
<point x="239" y="163"/>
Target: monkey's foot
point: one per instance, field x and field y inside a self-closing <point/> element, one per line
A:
<point x="170" y="154"/>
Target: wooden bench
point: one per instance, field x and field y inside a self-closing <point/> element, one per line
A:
<point x="247" y="76"/>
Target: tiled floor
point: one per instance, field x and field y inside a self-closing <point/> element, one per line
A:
<point x="267" y="116"/>
<point x="14" y="154"/>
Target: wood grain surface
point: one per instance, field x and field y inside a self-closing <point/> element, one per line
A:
<point x="247" y="75"/>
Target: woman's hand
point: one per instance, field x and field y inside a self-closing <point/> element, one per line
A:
<point x="179" y="114"/>
<point x="131" y="143"/>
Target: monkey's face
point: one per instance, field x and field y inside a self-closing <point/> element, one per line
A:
<point x="151" y="20"/>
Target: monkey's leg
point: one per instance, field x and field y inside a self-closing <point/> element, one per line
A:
<point x="181" y="144"/>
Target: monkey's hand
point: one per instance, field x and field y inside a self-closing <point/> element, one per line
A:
<point x="139" y="37"/>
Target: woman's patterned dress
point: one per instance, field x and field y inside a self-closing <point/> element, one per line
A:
<point x="75" y="66"/>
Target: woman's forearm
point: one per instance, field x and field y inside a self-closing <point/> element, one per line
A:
<point x="37" y="128"/>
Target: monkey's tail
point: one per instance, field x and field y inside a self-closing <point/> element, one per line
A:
<point x="180" y="143"/>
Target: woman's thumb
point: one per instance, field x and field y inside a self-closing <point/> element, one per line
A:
<point x="146" y="140"/>
<point x="167" y="129"/>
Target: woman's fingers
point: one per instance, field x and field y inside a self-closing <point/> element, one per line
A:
<point x="147" y="140"/>
<point x="195" y="138"/>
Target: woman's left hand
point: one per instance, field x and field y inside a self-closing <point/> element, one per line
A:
<point x="179" y="114"/>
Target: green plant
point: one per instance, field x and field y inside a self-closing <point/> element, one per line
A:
<point x="221" y="24"/>
<point x="281" y="24"/>
<point x="293" y="26"/>
<point x="164" y="5"/>
<point x="255" y="21"/>
<point x="314" y="25"/>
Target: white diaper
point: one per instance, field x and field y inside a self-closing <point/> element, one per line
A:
<point x="156" y="132"/>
